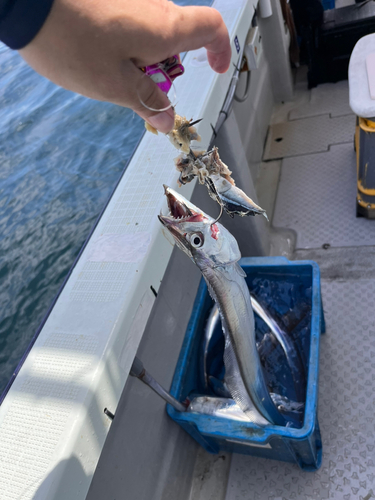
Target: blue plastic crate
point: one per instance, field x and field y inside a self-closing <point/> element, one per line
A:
<point x="328" y="4"/>
<point x="301" y="282"/>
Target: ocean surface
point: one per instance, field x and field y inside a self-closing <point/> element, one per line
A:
<point x="60" y="158"/>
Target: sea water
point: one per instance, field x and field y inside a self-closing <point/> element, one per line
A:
<point x="61" y="156"/>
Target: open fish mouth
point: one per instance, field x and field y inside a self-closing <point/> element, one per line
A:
<point x="181" y="211"/>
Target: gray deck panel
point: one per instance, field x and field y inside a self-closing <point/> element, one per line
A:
<point x="343" y="3"/>
<point x="346" y="410"/>
<point x="210" y="476"/>
<point x="317" y="199"/>
<point x="342" y="263"/>
<point x="331" y="98"/>
<point x="308" y="135"/>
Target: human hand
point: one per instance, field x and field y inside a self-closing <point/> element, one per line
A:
<point x="96" y="47"/>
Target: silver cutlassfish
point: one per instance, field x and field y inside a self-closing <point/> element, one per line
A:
<point x="215" y="251"/>
<point x="292" y="355"/>
<point x="222" y="405"/>
<point x="225" y="407"/>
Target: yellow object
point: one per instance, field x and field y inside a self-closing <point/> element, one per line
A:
<point x="367" y="125"/>
<point x="365" y="204"/>
<point x="363" y="190"/>
<point x="356" y="142"/>
<point x="363" y="125"/>
<point x="150" y="128"/>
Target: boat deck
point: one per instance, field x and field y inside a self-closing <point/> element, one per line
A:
<point x="307" y="183"/>
<point x="311" y="159"/>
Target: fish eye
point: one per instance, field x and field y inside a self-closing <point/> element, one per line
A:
<point x="196" y="240"/>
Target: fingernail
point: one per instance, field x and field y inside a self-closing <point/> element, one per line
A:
<point x="162" y="121"/>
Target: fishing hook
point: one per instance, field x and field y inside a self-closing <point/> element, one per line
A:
<point x="220" y="214"/>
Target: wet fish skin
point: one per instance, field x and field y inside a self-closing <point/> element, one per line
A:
<point x="226" y="407"/>
<point x="212" y="320"/>
<point x="293" y="411"/>
<point x="231" y="198"/>
<point x="215" y="251"/>
<point x="207" y="245"/>
<point x="217" y="407"/>
<point x="292" y="354"/>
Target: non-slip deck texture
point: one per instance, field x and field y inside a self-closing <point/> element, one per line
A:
<point x="315" y="120"/>
<point x="346" y="411"/>
<point x="317" y="199"/>
<point x="330" y="98"/>
<point x="307" y="135"/>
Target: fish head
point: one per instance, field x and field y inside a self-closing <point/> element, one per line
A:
<point x="197" y="234"/>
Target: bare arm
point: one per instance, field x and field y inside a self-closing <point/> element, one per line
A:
<point x="96" y="47"/>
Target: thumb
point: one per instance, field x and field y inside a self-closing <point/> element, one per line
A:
<point x="147" y="99"/>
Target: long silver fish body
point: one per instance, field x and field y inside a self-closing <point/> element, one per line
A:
<point x="225" y="407"/>
<point x="215" y="251"/>
<point x="243" y="370"/>
<point x="217" y="407"/>
<point x="292" y="355"/>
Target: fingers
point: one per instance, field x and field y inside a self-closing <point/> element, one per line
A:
<point x="192" y="28"/>
<point x="146" y="98"/>
<point x="204" y="27"/>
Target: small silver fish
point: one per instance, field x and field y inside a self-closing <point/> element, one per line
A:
<point x="233" y="200"/>
<point x="226" y="407"/>
<point x="215" y="251"/>
<point x="215" y="174"/>
<point x="217" y="407"/>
